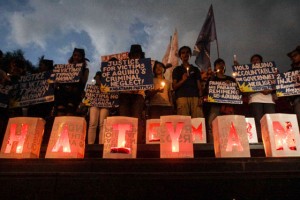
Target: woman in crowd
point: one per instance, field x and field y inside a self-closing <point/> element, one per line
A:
<point x="160" y="97"/>
<point x="69" y="95"/>
<point x="97" y="117"/>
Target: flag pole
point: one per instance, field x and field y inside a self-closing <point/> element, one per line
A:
<point x="216" y="33"/>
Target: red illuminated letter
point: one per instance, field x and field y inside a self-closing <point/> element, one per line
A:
<point x="16" y="138"/>
<point x="174" y="134"/>
<point x="63" y="142"/>
<point x="233" y="139"/>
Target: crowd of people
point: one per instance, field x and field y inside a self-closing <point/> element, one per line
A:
<point x="185" y="94"/>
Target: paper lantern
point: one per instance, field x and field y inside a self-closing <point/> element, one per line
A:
<point x="120" y="136"/>
<point x="176" y="139"/>
<point x="280" y="134"/>
<point x="23" y="138"/>
<point x="230" y="137"/>
<point x="152" y="131"/>
<point x="199" y="130"/>
<point x="67" y="138"/>
<point x="251" y="130"/>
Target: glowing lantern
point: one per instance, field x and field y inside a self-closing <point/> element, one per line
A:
<point x="67" y="138"/>
<point x="152" y="131"/>
<point x="198" y="130"/>
<point x="120" y="135"/>
<point x="176" y="140"/>
<point x="230" y="137"/>
<point x="251" y="130"/>
<point x="280" y="133"/>
<point x="23" y="138"/>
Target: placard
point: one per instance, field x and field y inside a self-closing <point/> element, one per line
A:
<point x="255" y="77"/>
<point x="4" y="95"/>
<point x="223" y="92"/>
<point x="126" y="75"/>
<point x="94" y="97"/>
<point x="32" y="89"/>
<point x="66" y="73"/>
<point x="118" y="56"/>
<point x="288" y="83"/>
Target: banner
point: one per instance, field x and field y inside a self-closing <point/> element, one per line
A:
<point x="66" y="73"/>
<point x="32" y="89"/>
<point x="4" y="95"/>
<point x="93" y="97"/>
<point x="126" y="75"/>
<point x="288" y="83"/>
<point x="222" y="92"/>
<point x="256" y="77"/>
<point x="119" y="56"/>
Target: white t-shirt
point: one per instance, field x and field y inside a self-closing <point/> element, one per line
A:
<point x="261" y="98"/>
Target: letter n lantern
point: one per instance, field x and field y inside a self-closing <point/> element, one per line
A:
<point x="280" y="134"/>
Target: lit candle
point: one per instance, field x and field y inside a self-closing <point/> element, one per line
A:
<point x="163" y="84"/>
<point x="187" y="69"/>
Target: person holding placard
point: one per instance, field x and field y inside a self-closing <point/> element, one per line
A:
<point x="295" y="100"/>
<point x="187" y="86"/>
<point x="97" y="116"/>
<point x="217" y="109"/>
<point x="132" y="103"/>
<point x="69" y="95"/>
<point x="261" y="103"/>
<point x="160" y="97"/>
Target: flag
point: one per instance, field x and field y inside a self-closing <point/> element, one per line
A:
<point x="202" y="47"/>
<point x="167" y="53"/>
<point x="171" y="56"/>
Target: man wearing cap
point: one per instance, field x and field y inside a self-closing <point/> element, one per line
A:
<point x="295" y="100"/>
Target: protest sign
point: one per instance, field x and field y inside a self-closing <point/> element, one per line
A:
<point x="222" y="92"/>
<point x="118" y="56"/>
<point x="288" y="83"/>
<point x="255" y="77"/>
<point x="32" y="89"/>
<point x="126" y="75"/>
<point x="66" y="73"/>
<point x="4" y="97"/>
<point x="93" y="97"/>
